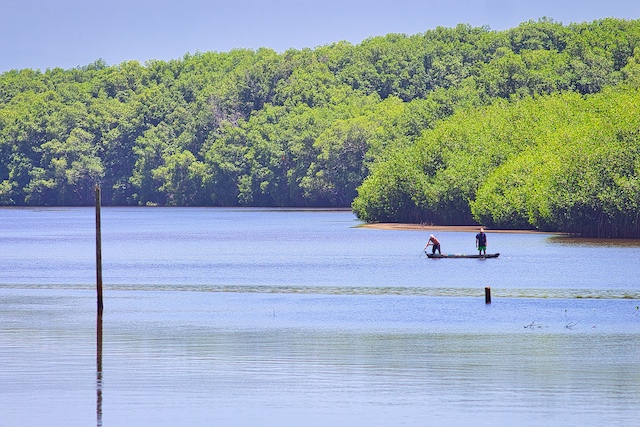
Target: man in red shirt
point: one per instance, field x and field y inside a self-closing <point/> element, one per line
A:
<point x="436" y="244"/>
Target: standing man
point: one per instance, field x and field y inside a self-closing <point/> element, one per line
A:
<point x="481" y="242"/>
<point x="436" y="244"/>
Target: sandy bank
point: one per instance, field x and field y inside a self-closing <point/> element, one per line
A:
<point x="453" y="228"/>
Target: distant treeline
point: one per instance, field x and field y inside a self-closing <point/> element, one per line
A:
<point x="533" y="127"/>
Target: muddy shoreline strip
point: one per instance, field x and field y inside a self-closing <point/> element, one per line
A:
<point x="453" y="228"/>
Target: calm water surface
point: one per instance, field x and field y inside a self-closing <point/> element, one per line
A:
<point x="271" y="317"/>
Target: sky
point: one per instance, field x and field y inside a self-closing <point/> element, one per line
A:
<point x="43" y="34"/>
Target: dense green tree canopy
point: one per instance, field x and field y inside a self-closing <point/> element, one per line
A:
<point x="528" y="127"/>
<point x="557" y="162"/>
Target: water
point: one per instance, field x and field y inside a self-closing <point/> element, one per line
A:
<point x="270" y="317"/>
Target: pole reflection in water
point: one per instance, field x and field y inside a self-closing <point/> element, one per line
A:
<point x="99" y="369"/>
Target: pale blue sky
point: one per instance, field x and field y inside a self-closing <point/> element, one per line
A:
<point x="43" y="34"/>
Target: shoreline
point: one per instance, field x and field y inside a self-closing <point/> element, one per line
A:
<point x="451" y="228"/>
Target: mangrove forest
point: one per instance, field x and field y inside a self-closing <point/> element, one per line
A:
<point x="535" y="127"/>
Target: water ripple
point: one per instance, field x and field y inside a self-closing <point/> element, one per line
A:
<point x="573" y="293"/>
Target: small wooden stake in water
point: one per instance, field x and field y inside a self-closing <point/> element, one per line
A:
<point x="487" y="295"/>
<point x="98" y="252"/>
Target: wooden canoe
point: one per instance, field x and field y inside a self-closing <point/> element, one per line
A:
<point x="462" y="256"/>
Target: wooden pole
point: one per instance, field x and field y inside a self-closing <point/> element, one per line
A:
<point x="487" y="295"/>
<point x="98" y="252"/>
<point x="100" y="309"/>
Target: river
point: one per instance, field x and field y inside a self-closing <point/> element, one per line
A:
<point x="278" y="317"/>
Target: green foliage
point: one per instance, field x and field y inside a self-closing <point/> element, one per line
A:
<point x="453" y="125"/>
<point x="559" y="162"/>
<point x="391" y="193"/>
<point x="582" y="175"/>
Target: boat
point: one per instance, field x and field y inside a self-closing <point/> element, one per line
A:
<point x="462" y="255"/>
